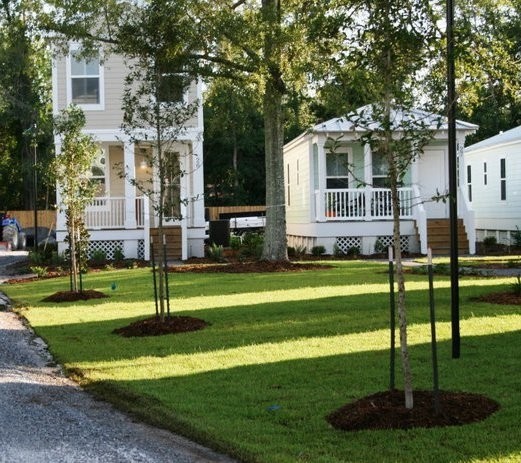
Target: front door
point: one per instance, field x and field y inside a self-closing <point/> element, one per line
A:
<point x="433" y="181"/>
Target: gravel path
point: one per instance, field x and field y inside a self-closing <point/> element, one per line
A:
<point x="45" y="417"/>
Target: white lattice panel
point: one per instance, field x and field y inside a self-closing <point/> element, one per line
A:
<point x="387" y="241"/>
<point x="141" y="249"/>
<point x="345" y="243"/>
<point x="108" y="247"/>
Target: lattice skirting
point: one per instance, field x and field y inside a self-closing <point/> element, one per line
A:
<point x="345" y="243"/>
<point x="108" y="247"/>
<point x="141" y="249"/>
<point x="387" y="241"/>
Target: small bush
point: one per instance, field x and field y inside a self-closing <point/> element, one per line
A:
<point x="291" y="251"/>
<point x="516" y="237"/>
<point x="353" y="251"/>
<point x="98" y="257"/>
<point x="39" y="271"/>
<point x="489" y="241"/>
<point x="216" y="252"/>
<point x="118" y="255"/>
<point x="318" y="250"/>
<point x="235" y="242"/>
<point x="252" y="244"/>
<point x="300" y="251"/>
<point x="130" y="263"/>
<point x="379" y="247"/>
<point x="337" y="251"/>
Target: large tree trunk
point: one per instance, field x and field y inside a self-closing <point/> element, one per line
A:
<point x="275" y="242"/>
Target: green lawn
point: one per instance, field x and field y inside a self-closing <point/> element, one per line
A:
<point x="282" y="351"/>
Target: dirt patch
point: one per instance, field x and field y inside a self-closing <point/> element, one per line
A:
<point x="71" y="296"/>
<point x="507" y="298"/>
<point x="256" y="266"/>
<point x="386" y="410"/>
<point x="154" y="327"/>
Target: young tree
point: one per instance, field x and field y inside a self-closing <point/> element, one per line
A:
<point x="394" y="46"/>
<point x="155" y="116"/>
<point x="72" y="170"/>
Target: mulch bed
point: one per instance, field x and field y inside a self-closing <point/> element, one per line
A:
<point x="386" y="410"/>
<point x="256" y="266"/>
<point x="71" y="296"/>
<point x="154" y="327"/>
<point x="507" y="298"/>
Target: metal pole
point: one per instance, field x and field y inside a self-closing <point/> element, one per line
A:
<point x="453" y="192"/>
<point x="35" y="186"/>
<point x="392" y="321"/>
<point x="165" y="269"/>
<point x="434" y="352"/>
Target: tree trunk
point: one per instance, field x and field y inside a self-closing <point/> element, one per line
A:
<point x="275" y="241"/>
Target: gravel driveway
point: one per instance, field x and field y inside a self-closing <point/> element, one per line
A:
<point x="45" y="417"/>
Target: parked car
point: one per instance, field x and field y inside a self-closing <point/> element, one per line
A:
<point x="11" y="232"/>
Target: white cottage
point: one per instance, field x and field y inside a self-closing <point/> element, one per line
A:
<point x="493" y="184"/>
<point x="121" y="217"/>
<point x="339" y="199"/>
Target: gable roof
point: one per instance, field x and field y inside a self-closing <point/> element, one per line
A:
<point x="510" y="136"/>
<point x="352" y="122"/>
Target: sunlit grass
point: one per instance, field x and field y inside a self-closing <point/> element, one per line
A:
<point x="282" y="351"/>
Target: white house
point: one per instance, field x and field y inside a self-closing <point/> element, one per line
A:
<point x="493" y="184"/>
<point x="121" y="217"/>
<point x="338" y="198"/>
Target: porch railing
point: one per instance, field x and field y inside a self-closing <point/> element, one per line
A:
<point x="112" y="212"/>
<point x="364" y="203"/>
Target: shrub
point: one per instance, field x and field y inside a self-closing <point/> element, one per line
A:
<point x="98" y="257"/>
<point x="252" y="244"/>
<point x="337" y="251"/>
<point x="318" y="250"/>
<point x="516" y="237"/>
<point x="39" y="271"/>
<point x="353" y="251"/>
<point x="215" y="252"/>
<point x="489" y="241"/>
<point x="118" y="255"/>
<point x="379" y="247"/>
<point x="300" y="251"/>
<point x="235" y="242"/>
<point x="291" y="251"/>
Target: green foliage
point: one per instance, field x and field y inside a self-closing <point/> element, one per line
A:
<point x="216" y="252"/>
<point x="39" y="271"/>
<point x="318" y="250"/>
<point x="516" y="237"/>
<point x="516" y="286"/>
<point x="353" y="251"/>
<point x="119" y="255"/>
<point x="98" y="257"/>
<point x="252" y="244"/>
<point x="235" y="242"/>
<point x="379" y="247"/>
<point x="489" y="241"/>
<point x="337" y="251"/>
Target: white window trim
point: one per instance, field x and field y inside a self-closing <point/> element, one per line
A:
<point x="350" y="175"/>
<point x="87" y="107"/>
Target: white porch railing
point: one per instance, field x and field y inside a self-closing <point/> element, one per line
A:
<point x="109" y="213"/>
<point x="364" y="203"/>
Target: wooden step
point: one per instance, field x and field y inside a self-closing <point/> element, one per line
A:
<point x="438" y="236"/>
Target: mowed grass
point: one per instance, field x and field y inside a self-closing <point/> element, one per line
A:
<point x="282" y="351"/>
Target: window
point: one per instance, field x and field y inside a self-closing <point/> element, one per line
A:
<point x="98" y="173"/>
<point x="338" y="165"/>
<point x="172" y="199"/>
<point x="503" y="178"/>
<point x="469" y="182"/>
<point x="484" y="173"/>
<point x="172" y="88"/>
<point x="380" y="171"/>
<point x="85" y="82"/>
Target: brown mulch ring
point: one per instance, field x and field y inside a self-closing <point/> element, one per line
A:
<point x="254" y="266"/>
<point x="508" y="298"/>
<point x="154" y="327"/>
<point x="386" y="410"/>
<point x="71" y="296"/>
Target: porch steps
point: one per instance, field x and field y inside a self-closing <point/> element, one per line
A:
<point x="438" y="237"/>
<point x="173" y="242"/>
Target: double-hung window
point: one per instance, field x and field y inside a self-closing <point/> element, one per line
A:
<point x="338" y="168"/>
<point x="503" y="178"/>
<point x="85" y="80"/>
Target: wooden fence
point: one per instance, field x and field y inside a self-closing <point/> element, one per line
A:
<point x="26" y="218"/>
<point x="215" y="213"/>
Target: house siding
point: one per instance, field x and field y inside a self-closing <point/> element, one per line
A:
<point x="491" y="212"/>
<point x="298" y="204"/>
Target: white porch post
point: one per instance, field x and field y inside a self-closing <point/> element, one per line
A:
<point x="197" y="193"/>
<point x="368" y="180"/>
<point x="322" y="186"/>
<point x="130" y="190"/>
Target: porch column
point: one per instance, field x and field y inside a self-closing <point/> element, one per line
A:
<point x="368" y="180"/>
<point x="197" y="193"/>
<point x="130" y="190"/>
<point x="322" y="185"/>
